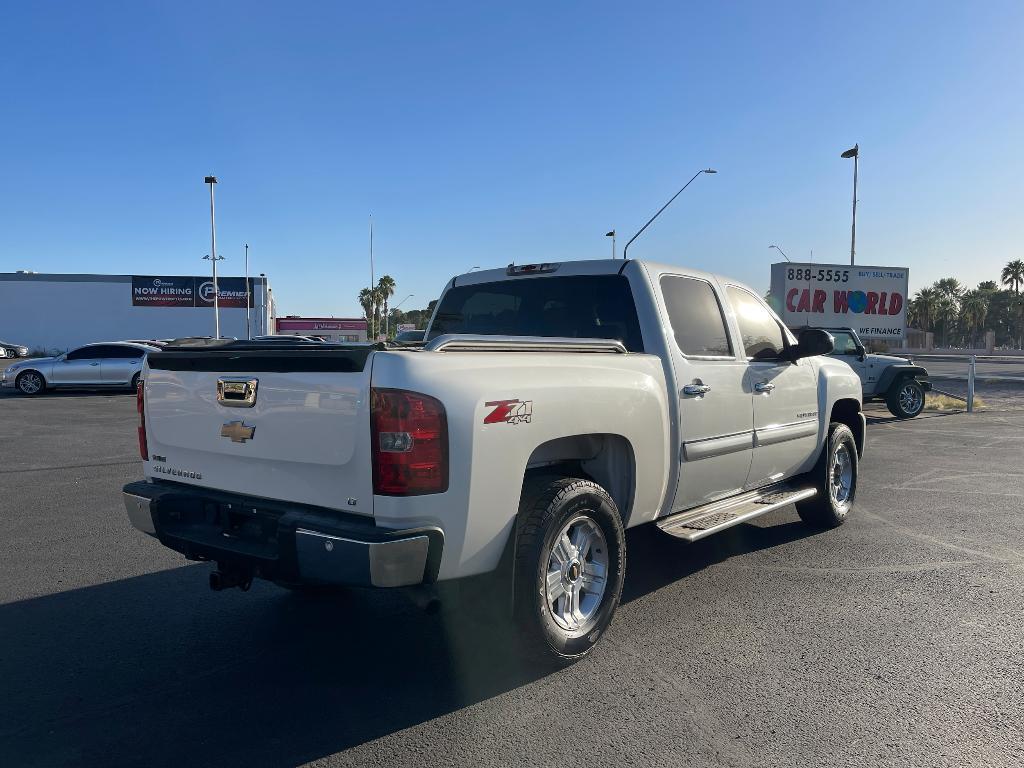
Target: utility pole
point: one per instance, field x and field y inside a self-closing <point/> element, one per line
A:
<point x="211" y="180"/>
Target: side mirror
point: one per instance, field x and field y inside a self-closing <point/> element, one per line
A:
<point x="812" y="342"/>
<point x="862" y="354"/>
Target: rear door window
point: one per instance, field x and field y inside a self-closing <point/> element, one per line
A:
<point x="576" y="307"/>
<point x="696" y="317"/>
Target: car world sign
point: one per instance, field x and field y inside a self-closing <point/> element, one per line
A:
<point x="872" y="300"/>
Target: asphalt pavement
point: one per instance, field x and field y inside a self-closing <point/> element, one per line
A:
<point x="895" y="640"/>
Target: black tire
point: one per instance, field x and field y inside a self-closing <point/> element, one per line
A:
<point x="135" y="382"/>
<point x="828" y="509"/>
<point x="905" y="398"/>
<point x="24" y="383"/>
<point x="547" y="506"/>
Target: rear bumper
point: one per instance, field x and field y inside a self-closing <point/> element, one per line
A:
<point x="283" y="542"/>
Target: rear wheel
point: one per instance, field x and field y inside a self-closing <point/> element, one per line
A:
<point x="570" y="566"/>
<point x="905" y="399"/>
<point x="835" y="478"/>
<point x="30" y="383"/>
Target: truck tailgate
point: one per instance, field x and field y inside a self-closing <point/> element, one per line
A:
<point x="304" y="437"/>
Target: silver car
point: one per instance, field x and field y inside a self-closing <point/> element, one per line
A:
<point x="107" y="365"/>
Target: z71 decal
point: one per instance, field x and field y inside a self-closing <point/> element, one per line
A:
<point x="509" y="412"/>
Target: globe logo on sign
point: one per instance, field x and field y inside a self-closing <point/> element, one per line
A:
<point x="206" y="291"/>
<point x="157" y="282"/>
<point x="857" y="300"/>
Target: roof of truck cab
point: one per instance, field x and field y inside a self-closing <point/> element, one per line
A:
<point x="588" y="267"/>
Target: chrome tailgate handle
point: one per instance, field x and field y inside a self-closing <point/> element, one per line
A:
<point x="237" y="393"/>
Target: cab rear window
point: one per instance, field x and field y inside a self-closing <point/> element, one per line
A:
<point x="576" y="307"/>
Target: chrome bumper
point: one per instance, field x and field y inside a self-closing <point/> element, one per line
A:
<point x="307" y="546"/>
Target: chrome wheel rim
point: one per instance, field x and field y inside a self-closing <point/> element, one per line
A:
<point x="911" y="398"/>
<point x="577" y="573"/>
<point x="29" y="383"/>
<point x="841" y="475"/>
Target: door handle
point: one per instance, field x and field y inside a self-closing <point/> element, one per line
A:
<point x="696" y="389"/>
<point x="93" y="363"/>
<point x="764" y="386"/>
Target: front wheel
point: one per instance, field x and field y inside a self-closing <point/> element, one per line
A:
<point x="905" y="399"/>
<point x="835" y="478"/>
<point x="570" y="566"/>
<point x="30" y="383"/>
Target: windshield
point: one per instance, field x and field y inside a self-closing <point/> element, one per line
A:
<point x="577" y="307"/>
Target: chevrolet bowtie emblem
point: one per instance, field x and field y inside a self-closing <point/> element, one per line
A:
<point x="237" y="431"/>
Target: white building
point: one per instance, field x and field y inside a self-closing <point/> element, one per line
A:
<point x="58" y="312"/>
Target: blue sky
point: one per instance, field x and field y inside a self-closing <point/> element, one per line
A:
<point x="482" y="133"/>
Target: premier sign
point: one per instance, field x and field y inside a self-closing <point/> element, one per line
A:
<point x="871" y="300"/>
<point x="179" y="291"/>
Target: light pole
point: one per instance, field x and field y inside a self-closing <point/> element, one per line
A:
<point x="387" y="325"/>
<point x="666" y="205"/>
<point x="248" y="334"/>
<point x="854" y="152"/>
<point x="780" y="251"/>
<point x="612" y="236"/>
<point x="216" y="304"/>
<point x="263" y="306"/>
<point x="211" y="180"/>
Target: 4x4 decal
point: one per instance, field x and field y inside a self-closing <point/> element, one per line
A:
<point x="509" y="412"/>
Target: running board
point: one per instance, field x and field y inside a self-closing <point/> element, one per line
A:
<point x="695" y="524"/>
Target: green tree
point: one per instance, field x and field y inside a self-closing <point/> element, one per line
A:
<point x="366" y="301"/>
<point x="1013" y="275"/>
<point x="385" y="290"/>
<point x="973" y="312"/>
<point x="922" y="308"/>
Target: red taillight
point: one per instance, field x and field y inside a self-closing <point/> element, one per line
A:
<point x="409" y="432"/>
<point x="140" y="406"/>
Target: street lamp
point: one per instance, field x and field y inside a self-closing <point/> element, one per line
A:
<point x="216" y="304"/>
<point x="612" y="236"/>
<point x="387" y="317"/>
<point x="780" y="251"/>
<point x="853" y="152"/>
<point x="211" y="180"/>
<point x="666" y="205"/>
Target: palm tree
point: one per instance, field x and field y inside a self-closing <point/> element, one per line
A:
<point x="1013" y="275"/>
<point x="988" y="286"/>
<point x="922" y="306"/>
<point x="973" y="311"/>
<point x="949" y="291"/>
<point x="366" y="301"/>
<point x="385" y="290"/>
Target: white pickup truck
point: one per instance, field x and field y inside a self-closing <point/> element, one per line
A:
<point x="550" y="407"/>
